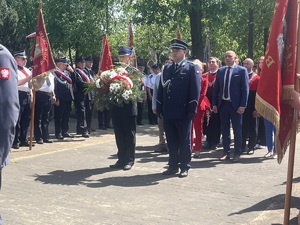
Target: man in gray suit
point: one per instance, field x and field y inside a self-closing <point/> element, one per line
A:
<point x="9" y="104"/>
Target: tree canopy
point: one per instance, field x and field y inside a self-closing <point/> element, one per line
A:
<point x="75" y="27"/>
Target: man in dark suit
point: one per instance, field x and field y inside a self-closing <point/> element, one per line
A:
<point x="124" y="120"/>
<point x="230" y="100"/>
<point x="9" y="104"/>
<point x="177" y="100"/>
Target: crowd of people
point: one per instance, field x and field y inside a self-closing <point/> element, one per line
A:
<point x="190" y="101"/>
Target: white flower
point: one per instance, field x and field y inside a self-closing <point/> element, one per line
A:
<point x="125" y="95"/>
<point x="98" y="83"/>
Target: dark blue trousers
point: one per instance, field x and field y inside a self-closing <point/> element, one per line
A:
<point x="227" y="114"/>
<point x="178" y="133"/>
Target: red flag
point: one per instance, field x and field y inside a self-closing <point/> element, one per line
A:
<point x="106" y="62"/>
<point x="131" y="43"/>
<point x="41" y="52"/>
<point x="278" y="73"/>
<point x="178" y="32"/>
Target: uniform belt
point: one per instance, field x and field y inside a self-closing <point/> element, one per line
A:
<point x="45" y="93"/>
<point x="25" y="92"/>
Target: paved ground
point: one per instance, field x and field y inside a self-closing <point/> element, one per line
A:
<point x="69" y="182"/>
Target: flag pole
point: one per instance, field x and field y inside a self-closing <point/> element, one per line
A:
<point x="291" y="160"/>
<point x="33" y="102"/>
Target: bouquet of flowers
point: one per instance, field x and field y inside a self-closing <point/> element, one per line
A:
<point x="117" y="86"/>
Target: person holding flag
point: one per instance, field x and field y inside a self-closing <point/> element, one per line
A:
<point x="25" y="100"/>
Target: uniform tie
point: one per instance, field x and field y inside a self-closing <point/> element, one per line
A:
<point x="226" y="88"/>
<point x="176" y="66"/>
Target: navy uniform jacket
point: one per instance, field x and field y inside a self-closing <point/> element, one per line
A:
<point x="9" y="102"/>
<point x="81" y="80"/>
<point x="63" y="86"/>
<point x="239" y="87"/>
<point x="179" y="90"/>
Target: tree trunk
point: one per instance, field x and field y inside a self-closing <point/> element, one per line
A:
<point x="266" y="37"/>
<point x="195" y="15"/>
<point x="251" y="30"/>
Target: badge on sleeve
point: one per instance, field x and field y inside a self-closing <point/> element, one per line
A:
<point x="4" y="73"/>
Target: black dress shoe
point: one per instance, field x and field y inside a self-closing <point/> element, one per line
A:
<point x="60" y="137"/>
<point x="15" y="146"/>
<point x="183" y="173"/>
<point x="26" y="144"/>
<point x="127" y="167"/>
<point x="170" y="172"/>
<point x="236" y="159"/>
<point x="102" y="128"/>
<point x="140" y="123"/>
<point x="85" y="135"/>
<point x="68" y="135"/>
<point x="47" y="141"/>
<point x="116" y="166"/>
<point x="40" y="142"/>
<point x="224" y="157"/>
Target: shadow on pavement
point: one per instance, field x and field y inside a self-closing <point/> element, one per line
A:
<point x="80" y="177"/>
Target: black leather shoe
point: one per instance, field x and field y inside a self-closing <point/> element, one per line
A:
<point x="224" y="157"/>
<point x="140" y="123"/>
<point x="236" y="159"/>
<point x="183" y="173"/>
<point x="26" y="144"/>
<point x="68" y="135"/>
<point x="15" y="146"/>
<point x="85" y="135"/>
<point x="127" y="167"/>
<point x="47" y="141"/>
<point x="170" y="172"/>
<point x="60" y="137"/>
<point x="116" y="166"/>
<point x="102" y="128"/>
<point x="40" y="142"/>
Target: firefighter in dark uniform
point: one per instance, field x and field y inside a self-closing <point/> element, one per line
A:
<point x="25" y="100"/>
<point x="89" y="96"/>
<point x="64" y="97"/>
<point x="177" y="101"/>
<point x="9" y="104"/>
<point x="124" y="121"/>
<point x="81" y="79"/>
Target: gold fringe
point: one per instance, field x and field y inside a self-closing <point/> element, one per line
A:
<point x="287" y="92"/>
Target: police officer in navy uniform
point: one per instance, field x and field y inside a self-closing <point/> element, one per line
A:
<point x="177" y="101"/>
<point x="64" y="97"/>
<point x="9" y="104"/>
<point x="124" y="121"/>
<point x="81" y="79"/>
<point x="25" y="100"/>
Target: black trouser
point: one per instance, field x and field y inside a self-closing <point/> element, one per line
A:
<point x="124" y="124"/>
<point x="140" y="109"/>
<point x="81" y="126"/>
<point x="62" y="115"/>
<point x="104" y="118"/>
<point x="213" y="130"/>
<point x="24" y="117"/>
<point x="249" y="129"/>
<point x="151" y="116"/>
<point x="178" y="133"/>
<point x="88" y="112"/>
<point x="41" y="115"/>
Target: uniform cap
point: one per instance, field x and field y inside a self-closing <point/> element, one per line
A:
<point x="125" y="50"/>
<point x="62" y="60"/>
<point x="80" y="59"/>
<point x="20" y="54"/>
<point x="175" y="43"/>
<point x="89" y="58"/>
